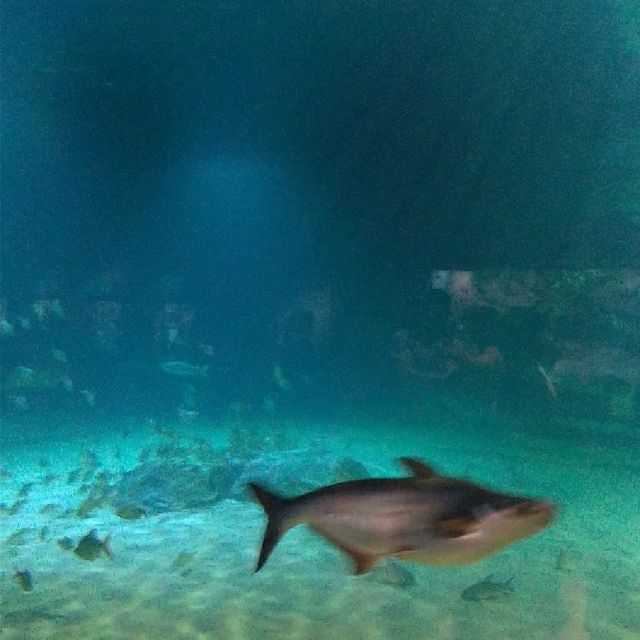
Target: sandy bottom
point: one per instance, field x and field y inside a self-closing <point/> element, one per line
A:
<point x="579" y="579"/>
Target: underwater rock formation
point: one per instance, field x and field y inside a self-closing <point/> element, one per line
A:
<point x="158" y="487"/>
<point x="291" y="472"/>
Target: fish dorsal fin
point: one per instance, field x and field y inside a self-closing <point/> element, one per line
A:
<point x="418" y="468"/>
<point x="454" y="527"/>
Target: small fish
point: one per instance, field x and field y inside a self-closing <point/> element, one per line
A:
<point x="24" y="579"/>
<point x="86" y="477"/>
<point x="566" y="561"/>
<point x="548" y="382"/>
<point x="16" y="507"/>
<point x="39" y="310"/>
<point x="20" y="402"/>
<point x="17" y="538"/>
<point x="207" y="349"/>
<point x="183" y="559"/>
<point x="56" y="309"/>
<point x="440" y="279"/>
<point x="73" y="476"/>
<point x="6" y="328"/>
<point x="426" y="518"/>
<point x="49" y="479"/>
<point x="163" y="432"/>
<point x="184" y="369"/>
<point x="187" y="415"/>
<point x="91" y="547"/>
<point x="90" y="460"/>
<point x="44" y="533"/>
<point x="59" y="356"/>
<point x="131" y="512"/>
<point x="88" y="505"/>
<point x="66" y="543"/>
<point x="49" y="509"/>
<point x="5" y="475"/>
<point x="488" y="589"/>
<point x="280" y="379"/>
<point x="394" y="575"/>
<point x="89" y="396"/>
<point x="67" y="383"/>
<point x="25" y="489"/>
<point x="102" y="480"/>
<point x="23" y="376"/>
<point x="25" y="323"/>
<point x="46" y="308"/>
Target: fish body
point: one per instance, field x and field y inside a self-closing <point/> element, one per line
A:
<point x="24" y="579"/>
<point x="59" y="356"/>
<point x="394" y="575"/>
<point x="184" y="369"/>
<point x="130" y="512"/>
<point x="89" y="396"/>
<point x="488" y="589"/>
<point x="66" y="543"/>
<point x="280" y="379"/>
<point x="426" y="518"/>
<point x="6" y="328"/>
<point x="91" y="547"/>
<point x="89" y="505"/>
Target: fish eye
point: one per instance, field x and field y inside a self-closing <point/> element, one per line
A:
<point x="525" y="507"/>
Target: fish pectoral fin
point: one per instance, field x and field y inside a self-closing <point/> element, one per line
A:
<point x="362" y="562"/>
<point x="454" y="527"/>
<point x="417" y="468"/>
<point x="401" y="553"/>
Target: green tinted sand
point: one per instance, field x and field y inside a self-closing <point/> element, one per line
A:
<point x="189" y="575"/>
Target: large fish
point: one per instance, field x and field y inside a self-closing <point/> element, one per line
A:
<point x="426" y="518"/>
<point x="184" y="369"/>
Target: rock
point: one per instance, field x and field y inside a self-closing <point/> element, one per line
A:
<point x="349" y="469"/>
<point x="290" y="473"/>
<point x="162" y="486"/>
<point x="158" y="487"/>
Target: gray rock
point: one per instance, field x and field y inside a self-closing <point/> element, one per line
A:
<point x="158" y="487"/>
<point x="287" y="473"/>
<point x="170" y="485"/>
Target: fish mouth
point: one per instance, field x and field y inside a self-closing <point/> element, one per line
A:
<point x="542" y="510"/>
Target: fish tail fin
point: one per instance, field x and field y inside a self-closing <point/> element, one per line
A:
<point x="106" y="547"/>
<point x="275" y="508"/>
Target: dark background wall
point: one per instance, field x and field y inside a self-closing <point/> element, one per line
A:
<point x="256" y="150"/>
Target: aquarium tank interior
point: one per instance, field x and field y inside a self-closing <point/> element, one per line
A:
<point x="320" y="320"/>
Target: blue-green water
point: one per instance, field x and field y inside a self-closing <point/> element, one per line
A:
<point x="289" y="243"/>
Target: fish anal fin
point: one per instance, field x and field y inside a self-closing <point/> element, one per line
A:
<point x="417" y="468"/>
<point x="363" y="562"/>
<point x="454" y="527"/>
